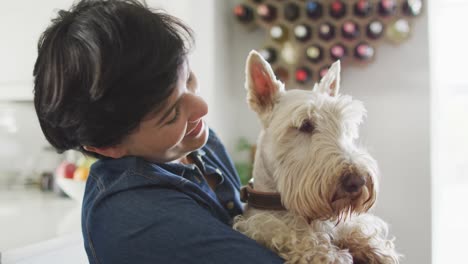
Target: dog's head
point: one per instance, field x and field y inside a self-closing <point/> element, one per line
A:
<point x="308" y="144"/>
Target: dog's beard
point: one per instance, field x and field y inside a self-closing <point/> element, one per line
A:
<point x="313" y="203"/>
<point x="337" y="208"/>
<point x="348" y="204"/>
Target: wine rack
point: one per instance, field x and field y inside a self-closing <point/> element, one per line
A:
<point x="307" y="36"/>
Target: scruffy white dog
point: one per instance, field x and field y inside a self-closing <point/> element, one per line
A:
<point x="312" y="185"/>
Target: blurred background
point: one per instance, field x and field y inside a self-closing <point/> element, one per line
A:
<point x="414" y="88"/>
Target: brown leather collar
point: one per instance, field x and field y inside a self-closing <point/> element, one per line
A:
<point x="261" y="200"/>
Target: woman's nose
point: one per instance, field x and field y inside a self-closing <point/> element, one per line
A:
<point x="197" y="109"/>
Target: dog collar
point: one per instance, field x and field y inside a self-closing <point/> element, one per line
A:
<point x="261" y="200"/>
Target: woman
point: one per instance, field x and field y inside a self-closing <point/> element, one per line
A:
<point x="112" y="80"/>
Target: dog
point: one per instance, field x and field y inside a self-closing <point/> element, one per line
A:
<point x="312" y="185"/>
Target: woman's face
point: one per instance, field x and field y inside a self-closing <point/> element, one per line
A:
<point x="175" y="130"/>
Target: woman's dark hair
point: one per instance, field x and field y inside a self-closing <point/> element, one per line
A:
<point x="102" y="67"/>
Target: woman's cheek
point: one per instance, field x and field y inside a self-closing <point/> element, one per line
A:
<point x="176" y="134"/>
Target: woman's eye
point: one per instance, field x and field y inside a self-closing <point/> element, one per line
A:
<point x="176" y="116"/>
<point x="307" y="126"/>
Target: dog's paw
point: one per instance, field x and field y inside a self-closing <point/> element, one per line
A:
<point x="343" y="257"/>
<point x="334" y="257"/>
<point x="374" y="250"/>
<point x="339" y="257"/>
<point x="372" y="258"/>
<point x="366" y="237"/>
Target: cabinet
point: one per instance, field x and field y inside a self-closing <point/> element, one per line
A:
<point x="21" y="24"/>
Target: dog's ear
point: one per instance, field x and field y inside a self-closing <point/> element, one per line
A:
<point x="330" y="83"/>
<point x="263" y="89"/>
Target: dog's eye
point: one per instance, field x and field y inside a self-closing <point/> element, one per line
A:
<point x="307" y="127"/>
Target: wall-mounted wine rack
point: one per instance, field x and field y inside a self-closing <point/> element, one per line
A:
<point x="307" y="36"/>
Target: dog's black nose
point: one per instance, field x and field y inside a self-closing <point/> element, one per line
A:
<point x="353" y="182"/>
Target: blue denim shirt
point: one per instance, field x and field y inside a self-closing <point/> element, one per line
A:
<point x="135" y="211"/>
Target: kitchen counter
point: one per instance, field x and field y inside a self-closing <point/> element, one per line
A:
<point x="29" y="216"/>
<point x="64" y="249"/>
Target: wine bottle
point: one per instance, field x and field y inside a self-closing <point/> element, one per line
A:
<point x="337" y="9"/>
<point x="363" y="51"/>
<point x="279" y="33"/>
<point x="303" y="75"/>
<point x="363" y="8"/>
<point x="326" y="31"/>
<point x="269" y="54"/>
<point x="350" y="30"/>
<point x="291" y="12"/>
<point x="398" y="31"/>
<point x="314" y="9"/>
<point x="412" y="7"/>
<point x="338" y="51"/>
<point x="387" y="7"/>
<point x="243" y="13"/>
<point x="375" y="29"/>
<point x="302" y="32"/>
<point x="266" y="12"/>
<point x="314" y="53"/>
<point x="282" y="74"/>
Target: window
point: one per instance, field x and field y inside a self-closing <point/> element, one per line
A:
<point x="449" y="73"/>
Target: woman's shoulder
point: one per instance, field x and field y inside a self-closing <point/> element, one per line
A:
<point x="112" y="171"/>
<point x="214" y="145"/>
<point x="218" y="157"/>
<point x="110" y="177"/>
<point x="213" y="138"/>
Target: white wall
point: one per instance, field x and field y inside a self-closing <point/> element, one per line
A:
<point x="395" y="90"/>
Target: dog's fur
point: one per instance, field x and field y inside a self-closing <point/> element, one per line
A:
<point x="306" y="153"/>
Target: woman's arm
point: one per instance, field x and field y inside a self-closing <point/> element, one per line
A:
<point x="159" y="225"/>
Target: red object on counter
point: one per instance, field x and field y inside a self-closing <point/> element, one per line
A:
<point x="66" y="170"/>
